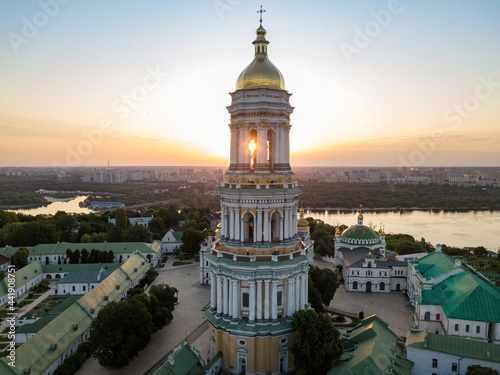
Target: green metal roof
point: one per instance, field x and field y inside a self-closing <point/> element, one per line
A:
<point x="41" y="350"/>
<point x="231" y="262"/>
<point x="36" y="326"/>
<point x="465" y="296"/>
<point x="64" y="303"/>
<point x="186" y="361"/>
<point x="462" y="347"/>
<point x="177" y="235"/>
<point x="84" y="277"/>
<point x="61" y="247"/>
<point x="59" y="268"/>
<point x="283" y="325"/>
<point x="433" y="265"/>
<point x="22" y="276"/>
<point x="371" y="347"/>
<point x="360" y="232"/>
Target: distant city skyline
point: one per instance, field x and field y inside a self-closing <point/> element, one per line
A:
<point x="375" y="83"/>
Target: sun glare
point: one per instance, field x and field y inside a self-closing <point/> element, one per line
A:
<point x="252" y="146"/>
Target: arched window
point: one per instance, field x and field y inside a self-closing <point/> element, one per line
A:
<point x="279" y="298"/>
<point x="355" y="285"/>
<point x="382" y="286"/>
<point x="427" y="315"/>
<point x="438" y="316"/>
<point x="467" y="328"/>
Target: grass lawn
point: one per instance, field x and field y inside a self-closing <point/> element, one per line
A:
<point x="181" y="263"/>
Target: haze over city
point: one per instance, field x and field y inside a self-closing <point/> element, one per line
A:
<point x="381" y="83"/>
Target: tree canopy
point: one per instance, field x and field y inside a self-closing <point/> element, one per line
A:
<point x="480" y="370"/>
<point x="317" y="344"/>
<point x="120" y="331"/>
<point x="325" y="281"/>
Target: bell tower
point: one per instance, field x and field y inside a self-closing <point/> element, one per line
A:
<point x="259" y="266"/>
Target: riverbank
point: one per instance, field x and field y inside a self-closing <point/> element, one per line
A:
<point x="398" y="209"/>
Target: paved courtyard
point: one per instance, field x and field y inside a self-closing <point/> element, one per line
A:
<point x="391" y="307"/>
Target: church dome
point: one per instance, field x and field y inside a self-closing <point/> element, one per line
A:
<point x="360" y="232"/>
<point x="261" y="72"/>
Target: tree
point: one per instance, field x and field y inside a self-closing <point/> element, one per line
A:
<point x="165" y="295"/>
<point x="323" y="239"/>
<point x="20" y="257"/>
<point x="317" y="344"/>
<point x="121" y="218"/>
<point x="325" y="281"/>
<point x="480" y="251"/>
<point x="314" y="298"/>
<point x="119" y="332"/>
<point x="156" y="225"/>
<point x="191" y="241"/>
<point x="159" y="313"/>
<point x="84" y="256"/>
<point x="480" y="370"/>
<point x="137" y="233"/>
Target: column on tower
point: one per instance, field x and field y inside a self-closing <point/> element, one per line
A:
<point x="297" y="292"/>
<point x="266" y="299"/>
<point x="219" y="295"/>
<point x="213" y="291"/>
<point x="233" y="160"/>
<point x="242" y="229"/>
<point x="236" y="293"/>
<point x="244" y="152"/>
<point x="261" y="163"/>
<point x="237" y="224"/>
<point x="281" y="226"/>
<point x="251" y="305"/>
<point x="266" y="224"/>
<point x="223" y="221"/>
<point x="303" y="296"/>
<point x="259" y="225"/>
<point x="231" y="223"/>
<point x="286" y="225"/>
<point x="276" y="152"/>
<point x="290" y="297"/>
<point x="294" y="221"/>
<point x="259" y="300"/>
<point x="230" y="299"/>
<point x="226" y="296"/>
<point x="286" y="145"/>
<point x="274" y="301"/>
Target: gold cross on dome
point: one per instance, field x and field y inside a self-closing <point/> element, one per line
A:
<point x="261" y="11"/>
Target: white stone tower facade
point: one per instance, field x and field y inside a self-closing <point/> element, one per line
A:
<point x="259" y="266"/>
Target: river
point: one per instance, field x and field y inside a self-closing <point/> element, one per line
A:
<point x="69" y="205"/>
<point x="461" y="229"/>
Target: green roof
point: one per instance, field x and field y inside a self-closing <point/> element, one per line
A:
<point x="465" y="296"/>
<point x="184" y="361"/>
<point x="22" y="276"/>
<point x="36" y="326"/>
<point x="41" y="350"/>
<point x="280" y="327"/>
<point x="371" y="347"/>
<point x="360" y="232"/>
<point x="433" y="265"/>
<point x="177" y="235"/>
<point x="55" y="268"/>
<point x="462" y="347"/>
<point x="61" y="247"/>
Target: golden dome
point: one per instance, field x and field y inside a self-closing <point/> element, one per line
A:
<point x="261" y="72"/>
<point x="302" y="222"/>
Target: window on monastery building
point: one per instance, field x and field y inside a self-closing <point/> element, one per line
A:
<point x="427" y="316"/>
<point x="355" y="285"/>
<point x="382" y="286"/>
<point x="478" y="329"/>
<point x="246" y="300"/>
<point x="467" y="328"/>
<point x="454" y="367"/>
<point x="434" y="363"/>
<point x="456" y="327"/>
<point x="280" y="298"/>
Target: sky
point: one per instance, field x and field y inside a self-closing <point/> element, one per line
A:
<point x="411" y="83"/>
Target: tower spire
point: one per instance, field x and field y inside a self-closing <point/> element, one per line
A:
<point x="261" y="11"/>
